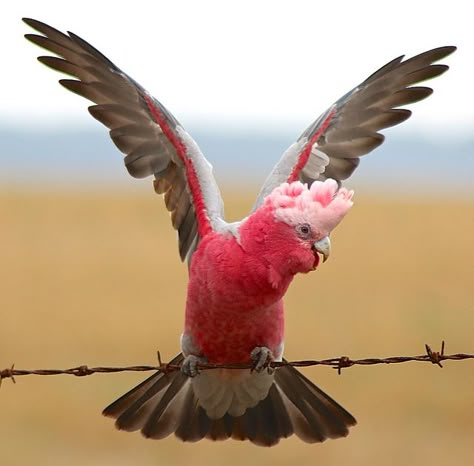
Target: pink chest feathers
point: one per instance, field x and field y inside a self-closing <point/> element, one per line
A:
<point x="231" y="306"/>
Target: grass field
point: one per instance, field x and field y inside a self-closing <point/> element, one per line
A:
<point x="95" y="279"/>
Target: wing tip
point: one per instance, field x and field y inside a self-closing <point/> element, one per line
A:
<point x="31" y="37"/>
<point x="30" y="21"/>
<point x="445" y="50"/>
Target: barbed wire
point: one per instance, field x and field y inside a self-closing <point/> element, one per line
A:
<point x="338" y="363"/>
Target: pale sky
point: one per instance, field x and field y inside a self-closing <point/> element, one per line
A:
<point x="251" y="63"/>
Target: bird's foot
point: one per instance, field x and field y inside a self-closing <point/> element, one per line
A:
<point x="190" y="364"/>
<point x="262" y="357"/>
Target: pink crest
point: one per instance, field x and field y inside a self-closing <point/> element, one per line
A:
<point x="322" y="205"/>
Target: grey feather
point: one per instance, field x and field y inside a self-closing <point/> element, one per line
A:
<point x="189" y="428"/>
<point x="179" y="214"/>
<point x="317" y="407"/>
<point x="186" y="232"/>
<point x="164" y="419"/>
<point x="141" y="160"/>
<point x="283" y="420"/>
<point x="339" y="168"/>
<point x="115" y="115"/>
<point x="173" y="195"/>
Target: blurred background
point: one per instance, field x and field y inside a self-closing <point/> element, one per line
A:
<point x="89" y="270"/>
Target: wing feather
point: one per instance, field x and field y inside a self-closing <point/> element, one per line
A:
<point x="350" y="128"/>
<point x="153" y="141"/>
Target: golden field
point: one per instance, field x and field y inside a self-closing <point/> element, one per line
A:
<point x="95" y="279"/>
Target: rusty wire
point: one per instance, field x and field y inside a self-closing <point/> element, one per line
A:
<point x="339" y="363"/>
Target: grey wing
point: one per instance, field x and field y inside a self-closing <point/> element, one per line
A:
<point x="331" y="146"/>
<point x="153" y="141"/>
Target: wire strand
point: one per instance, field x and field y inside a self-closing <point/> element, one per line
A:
<point x="338" y="363"/>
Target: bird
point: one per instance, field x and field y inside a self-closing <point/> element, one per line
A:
<point x="239" y="271"/>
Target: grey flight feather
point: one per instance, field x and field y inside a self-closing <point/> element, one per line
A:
<point x="358" y="116"/>
<point x="166" y="403"/>
<point x="124" y="107"/>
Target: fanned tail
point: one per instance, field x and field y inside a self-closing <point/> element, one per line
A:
<point x="166" y="403"/>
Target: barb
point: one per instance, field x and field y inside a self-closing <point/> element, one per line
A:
<point x="339" y="363"/>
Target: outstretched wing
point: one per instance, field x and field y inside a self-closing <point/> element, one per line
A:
<point x="143" y="129"/>
<point x="332" y="145"/>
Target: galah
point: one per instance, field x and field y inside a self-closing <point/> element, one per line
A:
<point x="239" y="272"/>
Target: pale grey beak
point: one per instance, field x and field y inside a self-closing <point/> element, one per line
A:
<point x="323" y="246"/>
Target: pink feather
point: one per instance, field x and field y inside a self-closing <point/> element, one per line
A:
<point x="322" y="205"/>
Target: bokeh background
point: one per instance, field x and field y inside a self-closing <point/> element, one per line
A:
<point x="89" y="270"/>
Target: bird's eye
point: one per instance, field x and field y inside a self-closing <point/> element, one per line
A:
<point x="303" y="230"/>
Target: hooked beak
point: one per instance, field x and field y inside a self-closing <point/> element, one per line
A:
<point x="323" y="246"/>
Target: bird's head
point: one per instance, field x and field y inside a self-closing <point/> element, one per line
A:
<point x="291" y="229"/>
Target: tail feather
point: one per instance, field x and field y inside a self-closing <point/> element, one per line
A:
<point x="166" y="403"/>
<point x="335" y="418"/>
<point x="324" y="416"/>
<point x="148" y="388"/>
<point x="264" y="418"/>
<point x="285" y="426"/>
<point x="190" y="428"/>
<point x="239" y="431"/>
<point x="220" y="429"/>
<point x="134" y="416"/>
<point x="305" y="422"/>
<point x="164" y="420"/>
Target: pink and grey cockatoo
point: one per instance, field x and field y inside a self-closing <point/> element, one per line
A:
<point x="239" y="272"/>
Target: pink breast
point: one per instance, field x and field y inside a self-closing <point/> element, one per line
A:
<point x="231" y="306"/>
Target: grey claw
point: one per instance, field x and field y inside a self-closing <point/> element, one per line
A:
<point x="190" y="365"/>
<point x="262" y="357"/>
